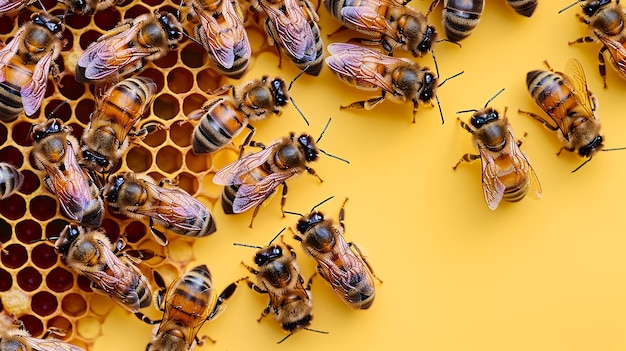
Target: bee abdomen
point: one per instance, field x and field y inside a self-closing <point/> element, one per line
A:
<point x="523" y="7"/>
<point x="228" y="197"/>
<point x="221" y="123"/>
<point x="517" y="193"/>
<point x="460" y="20"/>
<point x="548" y="90"/>
<point x="10" y="180"/>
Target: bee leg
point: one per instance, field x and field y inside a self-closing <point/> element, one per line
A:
<point x="158" y="235"/>
<point x="224" y="295"/>
<point x="432" y="7"/>
<point x="465" y="125"/>
<point x="342" y="216"/>
<point x="565" y="148"/>
<point x="365" y="104"/>
<point x="200" y="341"/>
<point x="247" y="141"/>
<point x="146" y="130"/>
<point x="265" y="312"/>
<point x="540" y="119"/>
<point x="254" y="213"/>
<point x="358" y="251"/>
<point x="54" y="331"/>
<point x="521" y="140"/>
<point x="602" y="65"/>
<point x="310" y="281"/>
<point x="338" y="30"/>
<point x="466" y="158"/>
<point x="223" y="90"/>
<point x="146" y="319"/>
<point x="251" y="270"/>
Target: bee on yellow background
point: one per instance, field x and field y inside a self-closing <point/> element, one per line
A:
<point x="105" y="139"/>
<point x="126" y="48"/>
<point x="570" y="106"/>
<point x="25" y="63"/>
<point x="187" y="304"/>
<point x="138" y="196"/>
<point x="506" y="172"/>
<point x="89" y="252"/>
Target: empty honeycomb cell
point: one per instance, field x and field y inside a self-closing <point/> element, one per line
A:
<point x="43" y="207"/>
<point x="139" y="159"/>
<point x="208" y="80"/>
<point x="3" y="132"/>
<point x="180" y="80"/>
<point x="12" y="155"/>
<point x="14" y="256"/>
<point x="77" y="129"/>
<point x="32" y="324"/>
<point x="27" y="231"/>
<point x="84" y="283"/>
<point x="5" y="230"/>
<point x="59" y="279"/>
<point x="167" y="61"/>
<point x="111" y="228"/>
<point x="83" y="110"/>
<point x="168" y="272"/>
<point x="135" y="231"/>
<point x="180" y="134"/>
<point x="70" y="88"/>
<point x="20" y="133"/>
<point x="88" y="37"/>
<point x="135" y="11"/>
<point x="54" y="227"/>
<point x="61" y="323"/>
<point x="77" y="22"/>
<point x="193" y="55"/>
<point x="100" y="304"/>
<point x="196" y="162"/>
<point x="193" y="102"/>
<point x="6" y="280"/>
<point x="107" y="19"/>
<point x="31" y="182"/>
<point x="74" y="305"/>
<point x="156" y="76"/>
<point x="13" y="207"/>
<point x="169" y="159"/>
<point x="88" y="327"/>
<point x="60" y="108"/>
<point x="29" y="278"/>
<point x="156" y="138"/>
<point x="44" y="256"/>
<point x="166" y="106"/>
<point x="188" y="182"/>
<point x="181" y="250"/>
<point x="44" y="303"/>
<point x="7" y="25"/>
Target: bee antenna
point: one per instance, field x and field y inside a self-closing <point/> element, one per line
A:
<point x="276" y="236"/>
<point x="615" y="149"/>
<point x="449" y="41"/>
<point x="336" y="157"/>
<point x="297" y="76"/>
<point x="323" y="131"/>
<point x="432" y="52"/>
<point x="493" y="97"/>
<point x="447" y="79"/>
<point x="439" y="106"/>
<point x="191" y="38"/>
<point x="464" y="111"/>
<point x="54" y="238"/>
<point x="568" y="6"/>
<point x="285" y="338"/>
<point x="246" y="245"/>
<point x="294" y="213"/>
<point x="316" y="331"/>
<point x="291" y="98"/>
<point x="314" y="207"/>
<point x="42" y="6"/>
<point x="57" y="108"/>
<point x="584" y="163"/>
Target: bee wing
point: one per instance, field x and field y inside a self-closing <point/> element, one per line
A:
<point x="367" y="19"/>
<point x="233" y="172"/>
<point x="34" y="91"/>
<point x="575" y="77"/>
<point x="250" y="195"/>
<point x="227" y="38"/>
<point x="493" y="188"/>
<point x="117" y="281"/>
<point x="181" y="207"/>
<point x="6" y="53"/>
<point x="70" y="185"/>
<point x="107" y="56"/>
<point x="9" y="5"/>
<point x="49" y="344"/>
<point x="294" y="32"/>
<point x="617" y="52"/>
<point x="360" y="64"/>
<point x="520" y="159"/>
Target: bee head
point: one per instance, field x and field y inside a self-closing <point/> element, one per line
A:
<point x="482" y="117"/>
<point x="172" y="26"/>
<point x="268" y="254"/>
<point x="308" y="144"/>
<point x="430" y="85"/>
<point x="590" y="149"/>
<point x="53" y="125"/>
<point x="53" y="24"/>
<point x="112" y="191"/>
<point x="95" y="158"/>
<point x="279" y="90"/>
<point x="591" y="7"/>
<point x="67" y="237"/>
<point x="427" y="43"/>
<point x="305" y="223"/>
<point x="80" y="7"/>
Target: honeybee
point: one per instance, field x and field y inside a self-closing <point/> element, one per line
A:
<point x="251" y="179"/>
<point x="54" y="151"/>
<point x="606" y="20"/>
<point x="278" y="276"/>
<point x="11" y="7"/>
<point x="340" y="263"/>
<point x="25" y="63"/>
<point x="389" y="22"/>
<point x="126" y="48"/>
<point x="400" y="79"/>
<point x="461" y="17"/>
<point x="506" y="172"/>
<point x="105" y="139"/>
<point x="189" y="301"/>
<point x="89" y="252"/>
<point x="138" y="196"/>
<point x="292" y="26"/>
<point x="20" y="339"/>
<point x="89" y="7"/>
<point x="222" y="34"/>
<point x="569" y="105"/>
<point x="224" y="117"/>
<point x="10" y="180"/>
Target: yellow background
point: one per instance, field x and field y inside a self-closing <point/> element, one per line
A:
<point x="534" y="275"/>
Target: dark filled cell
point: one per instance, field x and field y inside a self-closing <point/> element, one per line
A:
<point x="14" y="256"/>
<point x="29" y="278"/>
<point x="61" y="108"/>
<point x="12" y="155"/>
<point x="54" y="227"/>
<point x="84" y="283"/>
<point x="107" y="19"/>
<point x="28" y="231"/>
<point x="6" y="231"/>
<point x="43" y="207"/>
<point x="20" y="133"/>
<point x="44" y="256"/>
<point x="44" y="303"/>
<point x="166" y="106"/>
<point x="31" y="182"/>
<point x="13" y="207"/>
<point x="180" y="80"/>
<point x="33" y="324"/>
<point x="193" y="55"/>
<point x="135" y="231"/>
<point x="167" y="61"/>
<point x="83" y="110"/>
<point x="60" y="279"/>
<point x="169" y="159"/>
<point x="71" y="89"/>
<point x="112" y="229"/>
<point x="180" y="133"/>
<point x="6" y="280"/>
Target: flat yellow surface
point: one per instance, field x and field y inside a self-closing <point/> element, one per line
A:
<point x="534" y="275"/>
